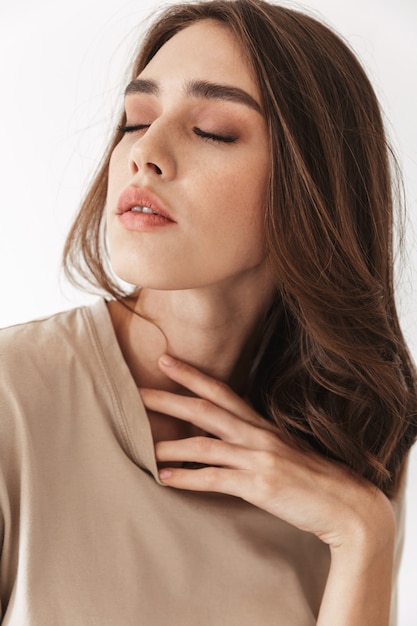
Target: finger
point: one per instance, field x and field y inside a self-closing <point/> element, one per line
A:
<point x="203" y="450"/>
<point x="232" y="482"/>
<point x="209" y="418"/>
<point x="198" y="411"/>
<point x="211" y="389"/>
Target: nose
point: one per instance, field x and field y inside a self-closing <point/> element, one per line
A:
<point x="152" y="154"/>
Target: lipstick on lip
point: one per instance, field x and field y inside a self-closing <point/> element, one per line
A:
<point x="131" y="217"/>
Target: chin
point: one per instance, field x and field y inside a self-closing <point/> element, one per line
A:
<point x="150" y="278"/>
<point x="163" y="280"/>
<point x="170" y="273"/>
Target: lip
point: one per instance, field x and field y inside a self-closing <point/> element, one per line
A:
<point x="138" y="196"/>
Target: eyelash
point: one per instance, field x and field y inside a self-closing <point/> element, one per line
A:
<point x="200" y="133"/>
<point x="131" y="129"/>
<point x="214" y="137"/>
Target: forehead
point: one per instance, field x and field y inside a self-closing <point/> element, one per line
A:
<point x="205" y="50"/>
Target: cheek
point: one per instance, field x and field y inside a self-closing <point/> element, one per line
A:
<point x="248" y="212"/>
<point x="232" y="223"/>
<point x="118" y="165"/>
<point x="243" y="194"/>
<point x="118" y="176"/>
<point x="115" y="159"/>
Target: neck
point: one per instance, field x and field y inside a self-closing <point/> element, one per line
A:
<point x="213" y="329"/>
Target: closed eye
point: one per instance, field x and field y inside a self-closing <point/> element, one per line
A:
<point x="200" y="133"/>
<point x="132" y="128"/>
<point x="213" y="136"/>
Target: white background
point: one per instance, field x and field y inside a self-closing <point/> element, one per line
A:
<point x="62" y="66"/>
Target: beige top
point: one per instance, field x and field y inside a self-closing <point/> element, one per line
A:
<point x="90" y="536"/>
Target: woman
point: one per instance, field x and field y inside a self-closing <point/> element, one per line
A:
<point x="247" y="192"/>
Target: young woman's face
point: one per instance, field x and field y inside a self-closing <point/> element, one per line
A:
<point x="188" y="180"/>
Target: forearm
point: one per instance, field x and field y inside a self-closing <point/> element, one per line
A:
<point x="359" y="586"/>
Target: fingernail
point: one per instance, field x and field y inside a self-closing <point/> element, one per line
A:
<point x="167" y="360"/>
<point x="164" y="473"/>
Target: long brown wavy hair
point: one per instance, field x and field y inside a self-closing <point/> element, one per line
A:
<point x="333" y="371"/>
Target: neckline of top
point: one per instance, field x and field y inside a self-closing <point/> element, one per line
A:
<point x="130" y="413"/>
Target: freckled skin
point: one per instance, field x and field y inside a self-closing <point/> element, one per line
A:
<point x="214" y="190"/>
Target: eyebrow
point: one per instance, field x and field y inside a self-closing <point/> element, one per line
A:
<point x="198" y="89"/>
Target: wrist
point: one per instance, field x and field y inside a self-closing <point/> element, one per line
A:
<point x="369" y="534"/>
<point x="359" y="585"/>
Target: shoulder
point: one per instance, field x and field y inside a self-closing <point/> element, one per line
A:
<point x="44" y="365"/>
<point x="39" y="338"/>
<point x="54" y="380"/>
<point x="40" y="347"/>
